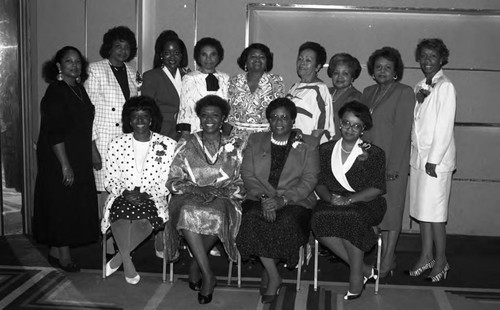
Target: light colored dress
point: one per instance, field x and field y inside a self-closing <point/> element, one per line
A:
<point x="433" y="142"/>
<point x="194" y="87"/>
<point x="248" y="110"/>
<point x="314" y="108"/>
<point x="107" y="97"/>
<point x="121" y="172"/>
<point x="220" y="217"/>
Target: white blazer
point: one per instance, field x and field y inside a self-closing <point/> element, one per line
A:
<point x="432" y="133"/>
<point x="120" y="166"/>
<point x="107" y="97"/>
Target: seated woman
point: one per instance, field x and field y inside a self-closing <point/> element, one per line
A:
<point x="137" y="166"/>
<point x="280" y="170"/>
<point x="205" y="178"/>
<point x="350" y="188"/>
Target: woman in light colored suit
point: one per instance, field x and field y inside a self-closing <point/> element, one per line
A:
<point x="163" y="83"/>
<point x="280" y="170"/>
<point x="111" y="82"/>
<point x="432" y="157"/>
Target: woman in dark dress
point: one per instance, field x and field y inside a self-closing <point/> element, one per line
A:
<point x="350" y="188"/>
<point x="65" y="211"/>
<point x="280" y="170"/>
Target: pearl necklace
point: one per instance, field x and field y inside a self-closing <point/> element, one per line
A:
<point x="277" y="142"/>
<point x="342" y="148"/>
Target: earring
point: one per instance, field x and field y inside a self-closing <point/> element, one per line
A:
<point x="59" y="76"/>
<point x="373" y="76"/>
<point x="78" y="79"/>
<point x="162" y="64"/>
<point x="395" y="77"/>
<point x="362" y="133"/>
<point x="246" y="68"/>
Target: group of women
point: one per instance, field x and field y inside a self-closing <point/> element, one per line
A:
<point x="210" y="158"/>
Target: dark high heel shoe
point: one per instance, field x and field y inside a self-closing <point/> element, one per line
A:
<point x="269" y="299"/>
<point x="390" y="271"/>
<point x="195" y="286"/>
<point x="205" y="299"/>
<point x="417" y="272"/>
<point x="351" y="296"/>
<point x="373" y="275"/>
<point x="440" y="276"/>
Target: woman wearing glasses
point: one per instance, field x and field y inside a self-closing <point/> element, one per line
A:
<point x="350" y="187"/>
<point x="280" y="170"/>
<point x="163" y="83"/>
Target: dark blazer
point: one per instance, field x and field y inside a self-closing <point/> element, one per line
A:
<point x="299" y="176"/>
<point x="157" y="85"/>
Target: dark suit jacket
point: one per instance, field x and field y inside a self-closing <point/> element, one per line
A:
<point x="158" y="86"/>
<point x="299" y="176"/>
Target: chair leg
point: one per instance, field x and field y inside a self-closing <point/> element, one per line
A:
<point x="171" y="272"/>
<point x="299" y="269"/>
<point x="229" y="273"/>
<point x="104" y="250"/>
<point x="164" y="271"/>
<point x="239" y="270"/>
<point x="316" y="245"/>
<point x="379" y="254"/>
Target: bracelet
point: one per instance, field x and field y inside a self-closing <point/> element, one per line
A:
<point x="285" y="201"/>
<point x="349" y="201"/>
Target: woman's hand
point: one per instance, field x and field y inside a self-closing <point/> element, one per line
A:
<point x="430" y="169"/>
<point x="338" y="200"/>
<point x="269" y="216"/>
<point x="391" y="175"/>
<point x="96" y="157"/>
<point x="133" y="196"/>
<point x="209" y="193"/>
<point x="68" y="176"/>
<point x="272" y="204"/>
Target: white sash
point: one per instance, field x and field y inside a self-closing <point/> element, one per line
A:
<point x="177" y="80"/>
<point x="338" y="169"/>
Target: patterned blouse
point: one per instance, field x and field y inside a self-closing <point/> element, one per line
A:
<point x="194" y="87"/>
<point x="248" y="110"/>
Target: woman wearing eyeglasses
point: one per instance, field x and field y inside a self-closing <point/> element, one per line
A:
<point x="280" y="170"/>
<point x="350" y="187"/>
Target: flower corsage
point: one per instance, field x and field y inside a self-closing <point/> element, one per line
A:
<point x="365" y="146"/>
<point x="298" y="142"/>
<point x="160" y="150"/>
<point x="424" y="91"/>
<point x="232" y="145"/>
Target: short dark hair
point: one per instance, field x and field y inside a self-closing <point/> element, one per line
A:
<point x="242" y="60"/>
<point x="435" y="45"/>
<point x="213" y="101"/>
<point x="359" y="110"/>
<point x="346" y="59"/>
<point x="390" y="54"/>
<point x="141" y="103"/>
<point x="163" y="38"/>
<point x="208" y="42"/>
<point x="318" y="49"/>
<point x="49" y="68"/>
<point x="120" y="33"/>
<point x="279" y="103"/>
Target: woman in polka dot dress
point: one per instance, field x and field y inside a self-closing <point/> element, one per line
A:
<point x="137" y="166"/>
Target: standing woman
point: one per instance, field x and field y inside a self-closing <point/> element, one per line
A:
<point x="251" y="92"/>
<point x="65" y="194"/>
<point x="343" y="69"/>
<point x="111" y="82"/>
<point x="432" y="157"/>
<point x="391" y="104"/>
<point x="163" y="83"/>
<point x="311" y="95"/>
<point x="207" y="80"/>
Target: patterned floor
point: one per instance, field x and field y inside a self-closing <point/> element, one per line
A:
<point x="48" y="288"/>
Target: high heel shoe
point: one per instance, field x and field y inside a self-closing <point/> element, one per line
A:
<point x="195" y="286"/>
<point x="417" y="272"/>
<point x="390" y="271"/>
<point x="205" y="299"/>
<point x="133" y="280"/>
<point x="373" y="275"/>
<point x="110" y="270"/>
<point x="440" y="276"/>
<point x="269" y="299"/>
<point x="351" y="296"/>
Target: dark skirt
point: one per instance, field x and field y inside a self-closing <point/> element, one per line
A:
<point x="353" y="223"/>
<point x="124" y="210"/>
<point x="279" y="240"/>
